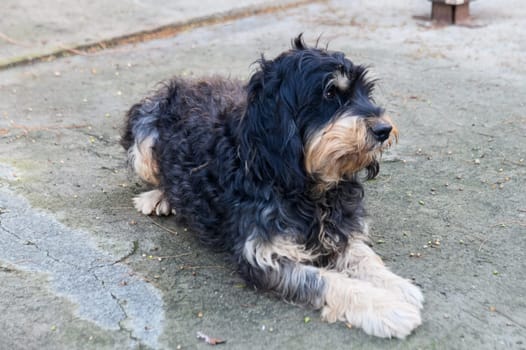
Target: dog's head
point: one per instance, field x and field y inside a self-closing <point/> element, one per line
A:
<point x="310" y="115"/>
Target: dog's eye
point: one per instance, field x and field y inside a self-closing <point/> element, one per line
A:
<point x="330" y="93"/>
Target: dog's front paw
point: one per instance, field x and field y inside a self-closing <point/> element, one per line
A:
<point x="378" y="311"/>
<point x="407" y="291"/>
<point x="387" y="319"/>
<point x="152" y="202"/>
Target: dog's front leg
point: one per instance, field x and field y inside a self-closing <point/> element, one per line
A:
<point x="361" y="262"/>
<point x="285" y="268"/>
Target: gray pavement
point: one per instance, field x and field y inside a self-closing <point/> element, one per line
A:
<point x="32" y="30"/>
<point x="80" y="269"/>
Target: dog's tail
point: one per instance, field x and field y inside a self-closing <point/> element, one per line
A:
<point x="139" y="139"/>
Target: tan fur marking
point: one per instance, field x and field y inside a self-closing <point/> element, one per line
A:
<point x="339" y="149"/>
<point x="141" y="157"/>
<point x="344" y="147"/>
<point x="263" y="254"/>
<point x="341" y="81"/>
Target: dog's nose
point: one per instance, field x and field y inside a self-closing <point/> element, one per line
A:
<point x="381" y="131"/>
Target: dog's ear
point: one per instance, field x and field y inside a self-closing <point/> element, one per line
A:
<point x="271" y="146"/>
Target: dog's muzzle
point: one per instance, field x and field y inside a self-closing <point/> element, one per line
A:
<point x="381" y="131"/>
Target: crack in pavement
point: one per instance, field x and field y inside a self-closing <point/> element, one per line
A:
<point x="123" y="309"/>
<point x="34" y="241"/>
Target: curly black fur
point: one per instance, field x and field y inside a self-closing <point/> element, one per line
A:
<point x="231" y="161"/>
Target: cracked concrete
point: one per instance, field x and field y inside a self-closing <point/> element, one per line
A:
<point x="80" y="269"/>
<point x="103" y="291"/>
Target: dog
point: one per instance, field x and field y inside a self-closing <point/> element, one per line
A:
<point x="270" y="171"/>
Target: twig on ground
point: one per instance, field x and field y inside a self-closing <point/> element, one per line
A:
<point x="170" y="256"/>
<point x="209" y="340"/>
<point x="13" y="41"/>
<point x="197" y="267"/>
<point x="163" y="227"/>
<point x="74" y="51"/>
<point x="483" y="242"/>
<point x="509" y="223"/>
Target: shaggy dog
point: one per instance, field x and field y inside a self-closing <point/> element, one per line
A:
<point x="268" y="171"/>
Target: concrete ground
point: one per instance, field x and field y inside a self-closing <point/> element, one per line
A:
<point x="81" y="269"/>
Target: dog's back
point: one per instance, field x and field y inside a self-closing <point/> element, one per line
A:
<point x="192" y="107"/>
<point x="178" y="139"/>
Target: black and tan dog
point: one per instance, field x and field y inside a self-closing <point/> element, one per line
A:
<point x="268" y="171"/>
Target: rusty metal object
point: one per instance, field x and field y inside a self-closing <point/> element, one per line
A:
<point x="450" y="11"/>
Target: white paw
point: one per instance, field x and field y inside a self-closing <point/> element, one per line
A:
<point x="407" y="291"/>
<point x="387" y="318"/>
<point x="152" y="202"/>
<point x="403" y="288"/>
<point x="378" y="311"/>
